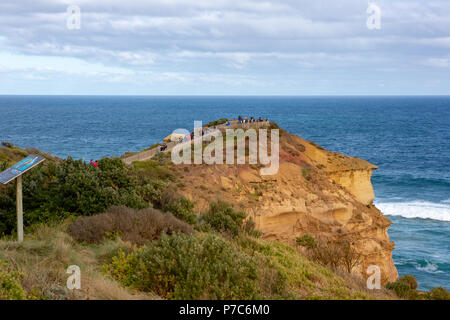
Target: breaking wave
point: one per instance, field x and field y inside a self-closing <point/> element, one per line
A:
<point x="429" y="267"/>
<point x="417" y="209"/>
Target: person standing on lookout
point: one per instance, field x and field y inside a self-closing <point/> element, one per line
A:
<point x="96" y="164"/>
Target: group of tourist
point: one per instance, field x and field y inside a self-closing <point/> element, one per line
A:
<point x="207" y="130"/>
<point x="251" y="120"/>
<point x="162" y="147"/>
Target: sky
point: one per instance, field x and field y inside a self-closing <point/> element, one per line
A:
<point x="225" y="47"/>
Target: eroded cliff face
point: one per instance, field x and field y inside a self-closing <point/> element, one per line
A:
<point x="357" y="182"/>
<point x="315" y="191"/>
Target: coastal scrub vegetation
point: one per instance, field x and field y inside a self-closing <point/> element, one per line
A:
<point x="216" y="122"/>
<point x="406" y="287"/>
<point x="135" y="226"/>
<point x="211" y="266"/>
<point x="134" y="237"/>
<point x="306" y="240"/>
<point x="60" y="189"/>
<point x="222" y="217"/>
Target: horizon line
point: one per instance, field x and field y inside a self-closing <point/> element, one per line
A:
<point x="225" y="95"/>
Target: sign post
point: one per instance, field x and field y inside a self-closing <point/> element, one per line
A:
<point x="15" y="172"/>
<point x="19" y="205"/>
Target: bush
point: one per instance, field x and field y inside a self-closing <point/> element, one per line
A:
<point x="7" y="144"/>
<point x="410" y="280"/>
<point x="223" y="218"/>
<point x="162" y="158"/>
<point x="405" y="287"/>
<point x="189" y="267"/>
<point x="137" y="227"/>
<point x="274" y="125"/>
<point x="306" y="240"/>
<point x="124" y="268"/>
<point x="10" y="286"/>
<point x="249" y="228"/>
<point x="156" y="168"/>
<point x="152" y="191"/>
<point x="217" y="122"/>
<point x="179" y="206"/>
<point x="58" y="189"/>
<point x="402" y="289"/>
<point x="439" y="293"/>
<point x="4" y="165"/>
<point x="336" y="255"/>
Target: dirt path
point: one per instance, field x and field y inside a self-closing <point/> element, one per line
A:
<point x="147" y="155"/>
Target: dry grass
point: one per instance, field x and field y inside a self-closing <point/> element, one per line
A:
<point x="48" y="250"/>
<point x="46" y="253"/>
<point x="357" y="283"/>
<point x="137" y="227"/>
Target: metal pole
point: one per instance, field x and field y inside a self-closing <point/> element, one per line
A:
<point x="19" y="209"/>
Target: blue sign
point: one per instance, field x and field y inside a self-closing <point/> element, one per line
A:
<point x="20" y="168"/>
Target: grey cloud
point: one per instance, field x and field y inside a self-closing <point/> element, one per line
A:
<point x="183" y="35"/>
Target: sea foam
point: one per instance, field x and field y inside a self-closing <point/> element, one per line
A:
<point x="429" y="267"/>
<point x="416" y="209"/>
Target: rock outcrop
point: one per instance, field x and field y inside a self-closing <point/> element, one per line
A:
<point x="318" y="192"/>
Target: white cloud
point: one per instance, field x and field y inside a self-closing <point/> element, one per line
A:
<point x="245" y="42"/>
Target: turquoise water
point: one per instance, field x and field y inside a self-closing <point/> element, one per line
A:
<point x="407" y="137"/>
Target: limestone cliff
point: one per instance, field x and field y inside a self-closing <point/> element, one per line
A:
<point x="315" y="191"/>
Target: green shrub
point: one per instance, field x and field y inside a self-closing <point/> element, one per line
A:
<point x="4" y="165"/>
<point x="179" y="206"/>
<point x="58" y="189"/>
<point x="152" y="191"/>
<point x="410" y="280"/>
<point x="405" y="287"/>
<point x="7" y="144"/>
<point x="162" y="158"/>
<point x="189" y="267"/>
<point x="155" y="168"/>
<point x="274" y="125"/>
<point x="439" y="293"/>
<point x="124" y="268"/>
<point x="306" y="240"/>
<point x="249" y="228"/>
<point x="402" y="289"/>
<point x="223" y="218"/>
<point x="217" y="122"/>
<point x="10" y="286"/>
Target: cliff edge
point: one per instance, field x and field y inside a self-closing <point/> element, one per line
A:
<point x="315" y="191"/>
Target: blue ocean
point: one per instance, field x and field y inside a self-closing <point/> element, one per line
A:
<point x="407" y="137"/>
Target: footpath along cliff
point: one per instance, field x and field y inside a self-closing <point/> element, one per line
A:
<point x="315" y="192"/>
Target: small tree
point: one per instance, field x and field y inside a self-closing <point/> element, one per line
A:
<point x="339" y="254"/>
<point x="350" y="258"/>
